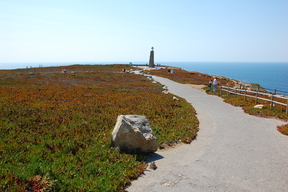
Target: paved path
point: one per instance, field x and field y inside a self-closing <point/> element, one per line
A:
<point x="233" y="151"/>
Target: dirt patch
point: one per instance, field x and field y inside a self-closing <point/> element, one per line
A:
<point x="199" y="87"/>
<point x="170" y="67"/>
<point x="170" y="146"/>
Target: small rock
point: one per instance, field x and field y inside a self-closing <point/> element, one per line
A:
<point x="175" y="99"/>
<point x="259" y="106"/>
<point x="165" y="91"/>
<point x="164" y="87"/>
<point x="153" y="166"/>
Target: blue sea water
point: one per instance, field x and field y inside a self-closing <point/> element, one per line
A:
<point x="268" y="75"/>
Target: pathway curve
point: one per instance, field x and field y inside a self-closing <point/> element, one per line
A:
<point x="233" y="151"/>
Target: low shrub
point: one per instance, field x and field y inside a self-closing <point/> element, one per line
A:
<point x="283" y="129"/>
<point x="55" y="127"/>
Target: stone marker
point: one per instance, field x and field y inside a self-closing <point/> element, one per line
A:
<point x="132" y="133"/>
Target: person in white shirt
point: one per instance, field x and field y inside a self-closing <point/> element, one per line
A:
<point x="215" y="84"/>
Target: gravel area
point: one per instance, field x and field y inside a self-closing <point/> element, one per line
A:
<point x="233" y="151"/>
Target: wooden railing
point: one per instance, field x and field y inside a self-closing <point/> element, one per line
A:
<point x="272" y="97"/>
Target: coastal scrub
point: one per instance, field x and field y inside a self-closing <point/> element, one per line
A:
<point x="55" y="127"/>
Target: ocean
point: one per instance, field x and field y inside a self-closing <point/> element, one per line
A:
<point x="267" y="75"/>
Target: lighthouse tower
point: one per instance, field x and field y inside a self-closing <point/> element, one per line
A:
<point x="151" y="61"/>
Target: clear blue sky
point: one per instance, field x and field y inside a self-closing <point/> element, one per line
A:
<point x="125" y="30"/>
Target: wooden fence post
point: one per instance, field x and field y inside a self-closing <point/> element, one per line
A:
<point x="273" y="95"/>
<point x="272" y="99"/>
<point x="228" y="90"/>
<point x="221" y="90"/>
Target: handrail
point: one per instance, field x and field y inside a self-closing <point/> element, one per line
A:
<point x="258" y="95"/>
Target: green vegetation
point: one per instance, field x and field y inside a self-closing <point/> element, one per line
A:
<point x="283" y="129"/>
<point x="187" y="77"/>
<point x="55" y="128"/>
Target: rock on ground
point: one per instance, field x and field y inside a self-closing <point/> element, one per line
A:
<point x="132" y="133"/>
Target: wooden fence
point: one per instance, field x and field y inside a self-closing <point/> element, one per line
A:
<point x="272" y="97"/>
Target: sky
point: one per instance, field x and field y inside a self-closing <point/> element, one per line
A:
<point x="125" y="30"/>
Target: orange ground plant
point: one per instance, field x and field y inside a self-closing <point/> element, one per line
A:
<point x="55" y="127"/>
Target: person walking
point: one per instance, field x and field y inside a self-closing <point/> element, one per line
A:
<point x="215" y="84"/>
<point x="210" y="84"/>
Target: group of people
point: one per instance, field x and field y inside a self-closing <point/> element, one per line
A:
<point x="213" y="82"/>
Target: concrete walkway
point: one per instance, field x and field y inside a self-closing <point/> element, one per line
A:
<point x="233" y="151"/>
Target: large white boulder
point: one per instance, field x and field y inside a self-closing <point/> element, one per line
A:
<point x="132" y="133"/>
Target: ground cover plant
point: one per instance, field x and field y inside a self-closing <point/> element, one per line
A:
<point x="187" y="77"/>
<point x="283" y="129"/>
<point x="55" y="127"/>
